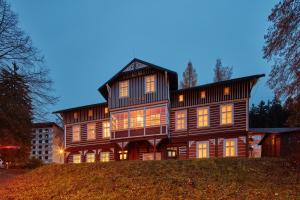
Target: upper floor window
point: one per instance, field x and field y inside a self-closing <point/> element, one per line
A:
<point x="90" y="157"/>
<point x="106" y="110"/>
<point x="119" y="121"/>
<point x="226" y="114"/>
<point x="230" y="147"/>
<point x="90" y="113"/>
<point x="226" y="91"/>
<point x="203" y="94"/>
<point x="149" y="83"/>
<point x="91" y="131"/>
<point x="123" y="88"/>
<point x="137" y="119"/>
<point x="76" y="158"/>
<point x="104" y="156"/>
<point x="75" y="115"/>
<point x="202" y="116"/>
<point x="106" y="129"/>
<point x="202" y="149"/>
<point x="155" y="116"/>
<point x="180" y="98"/>
<point x="76" y="133"/>
<point x="180" y="120"/>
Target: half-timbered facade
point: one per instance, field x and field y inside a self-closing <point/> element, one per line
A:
<point x="147" y="117"/>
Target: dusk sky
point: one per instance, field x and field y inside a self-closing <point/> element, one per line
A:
<point x="86" y="42"/>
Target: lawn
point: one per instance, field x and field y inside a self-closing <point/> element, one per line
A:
<point x="197" y="179"/>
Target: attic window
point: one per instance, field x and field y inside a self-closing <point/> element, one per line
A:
<point x="75" y="115"/>
<point x="203" y="94"/>
<point x="106" y="110"/>
<point x="180" y="99"/>
<point x="226" y="90"/>
<point x="90" y="113"/>
<point x="123" y="88"/>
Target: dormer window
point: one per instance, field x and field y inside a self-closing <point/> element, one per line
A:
<point x="226" y="90"/>
<point x="180" y="98"/>
<point x="123" y="88"/>
<point x="149" y="84"/>
<point x="203" y="94"/>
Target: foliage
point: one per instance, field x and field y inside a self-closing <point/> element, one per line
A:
<point x="197" y="179"/>
<point x="270" y="115"/>
<point x="34" y="163"/>
<point x="282" y="46"/>
<point x="292" y="105"/>
<point x="189" y="77"/>
<point x="221" y="73"/>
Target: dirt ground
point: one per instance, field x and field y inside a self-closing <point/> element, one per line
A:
<point x="8" y="174"/>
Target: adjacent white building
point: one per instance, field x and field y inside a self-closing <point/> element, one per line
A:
<point x="47" y="142"/>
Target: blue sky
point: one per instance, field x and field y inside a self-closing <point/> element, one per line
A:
<point x="87" y="42"/>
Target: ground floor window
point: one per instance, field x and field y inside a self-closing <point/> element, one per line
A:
<point x="104" y="156"/>
<point x="202" y="149"/>
<point x="172" y="152"/>
<point x="76" y="158"/>
<point x="90" y="157"/>
<point x="123" y="155"/>
<point x="230" y="147"/>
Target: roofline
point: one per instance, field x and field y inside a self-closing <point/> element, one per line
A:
<point x="79" y="107"/>
<point x="221" y="82"/>
<point x="45" y="124"/>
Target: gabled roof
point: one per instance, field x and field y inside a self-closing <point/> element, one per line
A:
<point x="79" y="107"/>
<point x="136" y="64"/>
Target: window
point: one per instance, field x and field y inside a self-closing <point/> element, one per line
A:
<point x="150" y="84"/>
<point x="40" y="152"/>
<point x="46" y="157"/>
<point x="90" y="113"/>
<point x="106" y="110"/>
<point x="33" y="141"/>
<point x="46" y="141"/>
<point x="137" y="119"/>
<point x="180" y="98"/>
<point x="106" y="129"/>
<point x="90" y="157"/>
<point x="76" y="133"/>
<point x="172" y="152"/>
<point x="155" y="116"/>
<point x="202" y="94"/>
<point x="123" y="88"/>
<point x="75" y="115"/>
<point x="91" y="131"/>
<point x="180" y="120"/>
<point x="119" y="121"/>
<point x="76" y="158"/>
<point x="46" y="152"/>
<point x="202" y="116"/>
<point x="40" y="136"/>
<point x="226" y="114"/>
<point x="33" y="152"/>
<point x="230" y="147"/>
<point x="226" y="90"/>
<point x="40" y="141"/>
<point x="123" y="155"/>
<point x="104" y="156"/>
<point x="203" y="149"/>
<point x="33" y="147"/>
<point x="46" y="136"/>
<point x="40" y="130"/>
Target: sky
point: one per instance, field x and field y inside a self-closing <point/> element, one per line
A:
<point x="86" y="42"/>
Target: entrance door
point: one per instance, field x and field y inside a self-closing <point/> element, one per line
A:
<point x="133" y="151"/>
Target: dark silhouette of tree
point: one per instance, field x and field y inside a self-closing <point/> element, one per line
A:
<point x="189" y="76"/>
<point x="292" y="105"/>
<point x="221" y="73"/>
<point x="282" y="47"/>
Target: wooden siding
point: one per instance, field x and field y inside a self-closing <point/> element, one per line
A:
<point x="137" y="89"/>
<point x="239" y="120"/>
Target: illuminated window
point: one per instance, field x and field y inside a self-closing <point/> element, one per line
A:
<point x="123" y="155"/>
<point x="90" y="157"/>
<point x="226" y="114"/>
<point x="119" y="121"/>
<point x="106" y="129"/>
<point x="90" y="113"/>
<point x="180" y="120"/>
<point x="226" y="90"/>
<point x="202" y="94"/>
<point x="137" y="119"/>
<point x="76" y="158"/>
<point x="180" y="98"/>
<point x="123" y="88"/>
<point x="230" y="147"/>
<point x="76" y="133"/>
<point x="172" y="152"/>
<point x="202" y="114"/>
<point x="202" y="149"/>
<point x="91" y="131"/>
<point x="104" y="157"/>
<point x="155" y="116"/>
<point x="106" y="110"/>
<point x="150" y="84"/>
<point x="75" y="115"/>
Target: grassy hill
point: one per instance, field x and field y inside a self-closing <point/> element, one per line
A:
<point x="199" y="179"/>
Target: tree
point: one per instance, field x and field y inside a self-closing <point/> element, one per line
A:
<point x="189" y="77"/>
<point x="292" y="105"/>
<point x="282" y="47"/>
<point x="221" y="73"/>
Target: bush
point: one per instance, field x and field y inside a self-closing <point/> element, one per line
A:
<point x="33" y="163"/>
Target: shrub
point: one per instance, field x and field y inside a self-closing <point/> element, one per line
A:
<point x="33" y="163"/>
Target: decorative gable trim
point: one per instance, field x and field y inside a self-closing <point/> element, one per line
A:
<point x="134" y="66"/>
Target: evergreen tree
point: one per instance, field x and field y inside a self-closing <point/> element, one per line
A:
<point x="221" y="73"/>
<point x="189" y="76"/>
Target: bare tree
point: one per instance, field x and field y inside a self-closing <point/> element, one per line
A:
<point x="189" y="77"/>
<point x="221" y="73"/>
<point x="282" y="48"/>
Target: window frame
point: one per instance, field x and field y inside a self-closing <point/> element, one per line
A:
<point x="185" y="120"/>
<point x="104" y="136"/>
<point x="207" y="149"/>
<point x="154" y="83"/>
<point x="86" y="157"/>
<point x="235" y="147"/>
<point x="79" y="133"/>
<point x="120" y="89"/>
<point x="208" y="116"/>
<point x="232" y="115"/>
<point x="87" y="131"/>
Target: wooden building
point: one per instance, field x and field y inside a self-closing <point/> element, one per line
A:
<point x="147" y="117"/>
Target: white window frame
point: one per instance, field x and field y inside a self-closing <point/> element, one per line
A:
<point x="74" y="158"/>
<point x="232" y="114"/>
<point x="207" y="149"/>
<point x="147" y="82"/>
<point x="109" y="132"/>
<point x="101" y="156"/>
<point x="87" y="131"/>
<point x="235" y="147"/>
<point x="86" y="157"/>
<point x="79" y="133"/>
<point x="185" y="120"/>
<point x="208" y="117"/>
<point x="123" y="96"/>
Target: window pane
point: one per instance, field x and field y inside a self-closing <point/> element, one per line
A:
<point x="90" y="157"/>
<point x="106" y="129"/>
<point x="77" y="158"/>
